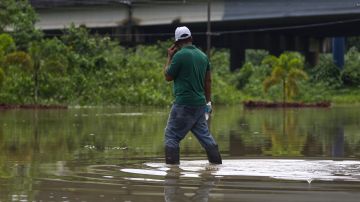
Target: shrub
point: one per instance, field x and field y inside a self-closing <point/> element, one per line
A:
<point x="326" y="72"/>
<point x="255" y="56"/>
<point x="351" y="73"/>
<point x="242" y="76"/>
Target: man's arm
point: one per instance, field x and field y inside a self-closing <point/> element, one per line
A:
<point x="167" y="77"/>
<point x="208" y="86"/>
<point x="171" y="51"/>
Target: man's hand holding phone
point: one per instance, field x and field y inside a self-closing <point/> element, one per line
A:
<point x="172" y="50"/>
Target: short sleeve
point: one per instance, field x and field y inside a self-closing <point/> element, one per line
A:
<point x="174" y="68"/>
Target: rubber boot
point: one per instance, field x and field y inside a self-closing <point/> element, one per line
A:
<point x="213" y="154"/>
<point x="172" y="155"/>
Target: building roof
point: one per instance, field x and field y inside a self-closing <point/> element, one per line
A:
<point x="262" y="9"/>
<point x="72" y="3"/>
<point x="57" y="14"/>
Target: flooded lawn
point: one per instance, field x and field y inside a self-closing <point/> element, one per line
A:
<point x="116" y="154"/>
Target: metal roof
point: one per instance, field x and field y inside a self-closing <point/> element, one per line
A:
<point x="262" y="9"/>
<point x="55" y="14"/>
<point x="71" y="3"/>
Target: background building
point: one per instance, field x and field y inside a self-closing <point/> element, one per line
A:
<point x="275" y="25"/>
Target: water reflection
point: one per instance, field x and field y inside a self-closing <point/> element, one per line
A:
<point x="174" y="192"/>
<point x="338" y="142"/>
<point x="56" y="144"/>
<point x="296" y="133"/>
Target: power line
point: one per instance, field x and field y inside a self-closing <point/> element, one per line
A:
<point x="219" y="33"/>
<point x="289" y="27"/>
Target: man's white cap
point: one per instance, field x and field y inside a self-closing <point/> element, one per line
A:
<point x="182" y="33"/>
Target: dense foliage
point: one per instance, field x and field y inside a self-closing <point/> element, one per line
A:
<point x="326" y="81"/>
<point x="19" y="18"/>
<point x="82" y="69"/>
<point x="91" y="70"/>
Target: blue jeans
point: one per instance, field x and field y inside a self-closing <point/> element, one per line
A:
<point x="183" y="119"/>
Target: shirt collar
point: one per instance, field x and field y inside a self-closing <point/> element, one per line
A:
<point x="189" y="46"/>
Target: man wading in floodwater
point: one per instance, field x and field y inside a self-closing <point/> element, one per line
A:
<point x="189" y="68"/>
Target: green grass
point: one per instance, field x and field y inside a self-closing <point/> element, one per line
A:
<point x="345" y="96"/>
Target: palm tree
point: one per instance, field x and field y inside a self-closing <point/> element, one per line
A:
<point x="286" y="70"/>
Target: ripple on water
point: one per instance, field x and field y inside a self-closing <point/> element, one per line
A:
<point x="283" y="169"/>
<point x="264" y="177"/>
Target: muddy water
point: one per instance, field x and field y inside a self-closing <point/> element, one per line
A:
<point x="116" y="154"/>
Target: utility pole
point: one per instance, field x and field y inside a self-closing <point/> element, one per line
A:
<point x="129" y="29"/>
<point x="208" y="32"/>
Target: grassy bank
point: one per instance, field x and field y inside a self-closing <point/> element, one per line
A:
<point x="345" y="96"/>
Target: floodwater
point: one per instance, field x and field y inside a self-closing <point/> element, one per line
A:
<point x="116" y="154"/>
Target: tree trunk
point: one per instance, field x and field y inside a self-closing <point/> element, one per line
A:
<point x="36" y="86"/>
<point x="284" y="92"/>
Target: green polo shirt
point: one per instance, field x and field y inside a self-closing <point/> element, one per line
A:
<point x="188" y="68"/>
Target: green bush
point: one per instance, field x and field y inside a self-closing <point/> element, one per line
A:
<point x="224" y="89"/>
<point x="352" y="42"/>
<point x="254" y="86"/>
<point x="242" y="76"/>
<point x="220" y="64"/>
<point x="17" y="87"/>
<point x="326" y="72"/>
<point x="255" y="57"/>
<point x="351" y="73"/>
<point x="314" y="92"/>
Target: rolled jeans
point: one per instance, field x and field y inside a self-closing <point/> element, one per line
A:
<point x="184" y="118"/>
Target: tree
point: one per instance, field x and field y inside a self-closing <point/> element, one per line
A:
<point x="351" y="73"/>
<point x="48" y="56"/>
<point x="2" y="77"/>
<point x="286" y="70"/>
<point x="9" y="56"/>
<point x="45" y="58"/>
<point x="5" y="43"/>
<point x="18" y="18"/>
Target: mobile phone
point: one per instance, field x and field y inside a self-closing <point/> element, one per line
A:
<point x="176" y="45"/>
